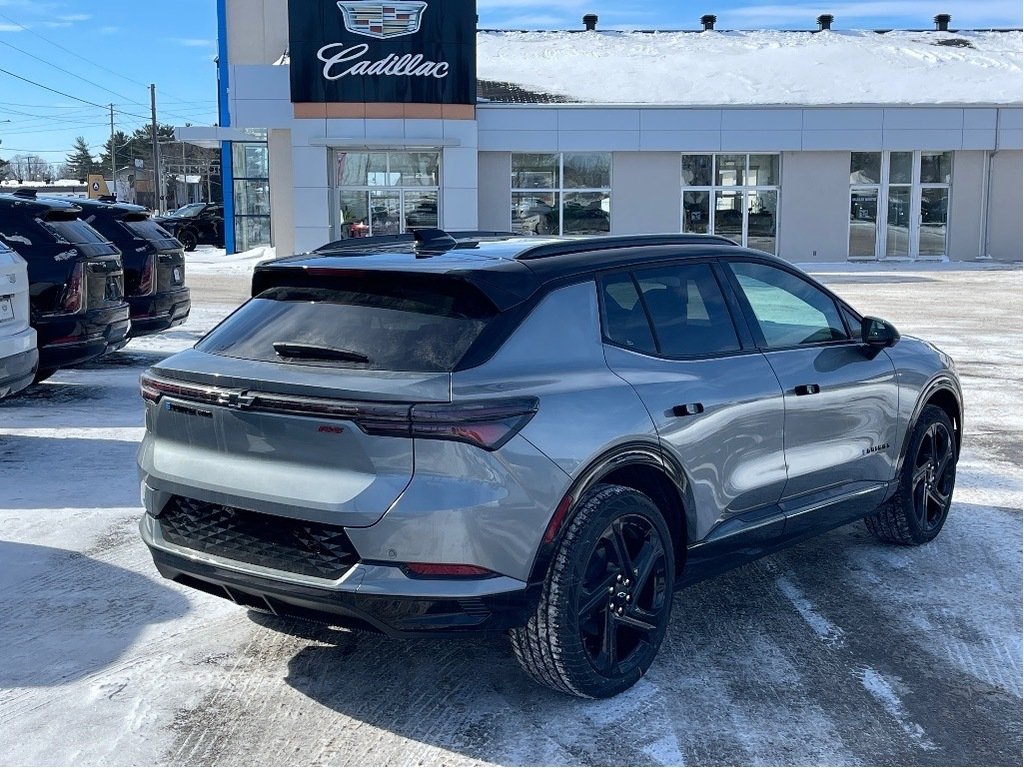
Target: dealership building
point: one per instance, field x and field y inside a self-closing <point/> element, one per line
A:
<point x="359" y="117"/>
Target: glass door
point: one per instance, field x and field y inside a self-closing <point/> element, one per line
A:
<point x="899" y="204"/>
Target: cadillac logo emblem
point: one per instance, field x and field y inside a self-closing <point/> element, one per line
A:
<point x="382" y="20"/>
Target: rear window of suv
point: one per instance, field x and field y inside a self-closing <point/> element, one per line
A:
<point x="390" y="324"/>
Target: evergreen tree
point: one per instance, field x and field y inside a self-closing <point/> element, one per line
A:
<point x="80" y="162"/>
<point x="124" y="151"/>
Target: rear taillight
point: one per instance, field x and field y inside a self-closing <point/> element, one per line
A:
<point x="74" y="290"/>
<point x="147" y="282"/>
<point x="488" y="424"/>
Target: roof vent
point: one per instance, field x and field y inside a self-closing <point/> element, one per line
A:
<point x="942" y="22"/>
<point x="590" y="22"/>
<point x="708" y="21"/>
<point x="825" y="21"/>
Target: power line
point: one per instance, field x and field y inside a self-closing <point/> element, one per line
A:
<point x="67" y="95"/>
<point x="78" y="56"/>
<point x="69" y="72"/>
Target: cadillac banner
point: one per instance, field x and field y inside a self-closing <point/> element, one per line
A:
<point x="410" y="51"/>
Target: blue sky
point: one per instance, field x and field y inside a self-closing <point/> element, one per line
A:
<point x="120" y="46"/>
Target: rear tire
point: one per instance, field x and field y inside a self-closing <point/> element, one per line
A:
<point x="188" y="239"/>
<point x="607" y="598"/>
<point x="918" y="510"/>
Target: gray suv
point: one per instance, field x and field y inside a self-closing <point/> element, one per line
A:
<point x="544" y="436"/>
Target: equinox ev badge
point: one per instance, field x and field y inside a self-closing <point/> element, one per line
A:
<point x="382" y="20"/>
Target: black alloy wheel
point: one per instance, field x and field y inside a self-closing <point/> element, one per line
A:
<point x="918" y="510"/>
<point x="623" y="598"/>
<point x="607" y="598"/>
<point x="933" y="478"/>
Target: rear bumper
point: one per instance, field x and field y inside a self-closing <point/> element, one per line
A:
<point x="18" y="370"/>
<point x="370" y="596"/>
<point x="66" y="340"/>
<point x="152" y="314"/>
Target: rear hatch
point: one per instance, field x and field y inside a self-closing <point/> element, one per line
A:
<point x="166" y="252"/>
<point x="100" y="260"/>
<point x="14" y="314"/>
<point x="301" y="402"/>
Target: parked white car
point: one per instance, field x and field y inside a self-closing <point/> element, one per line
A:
<point x="19" y="357"/>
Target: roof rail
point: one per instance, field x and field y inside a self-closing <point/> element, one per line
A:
<point x="626" y="241"/>
<point x="435" y="241"/>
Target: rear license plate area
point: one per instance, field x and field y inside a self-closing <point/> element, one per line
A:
<point x="6" y="308"/>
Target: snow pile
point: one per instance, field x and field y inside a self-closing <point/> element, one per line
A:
<point x="768" y="67"/>
<point x="207" y="260"/>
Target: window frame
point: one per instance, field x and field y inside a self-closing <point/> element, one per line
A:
<point x="337" y="189"/>
<point x="742" y="189"/>
<point x="560" y="190"/>
<point x="916" y="187"/>
<point x="853" y="335"/>
<point x="745" y="340"/>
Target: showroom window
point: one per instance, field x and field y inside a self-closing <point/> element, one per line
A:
<point x="251" y="169"/>
<point x="386" y="193"/>
<point x="567" y="193"/>
<point x="733" y="195"/>
<point x="914" y="188"/>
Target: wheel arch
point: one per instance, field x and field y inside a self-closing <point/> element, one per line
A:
<point x="943" y="393"/>
<point x="643" y="467"/>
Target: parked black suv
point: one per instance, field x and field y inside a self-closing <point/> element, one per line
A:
<point x="154" y="264"/>
<point x="76" y="291"/>
<point x="196" y="224"/>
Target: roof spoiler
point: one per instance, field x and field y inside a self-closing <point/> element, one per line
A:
<point x="26" y="192"/>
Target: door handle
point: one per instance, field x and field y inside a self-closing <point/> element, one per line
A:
<point x="808" y="389"/>
<point x="689" y="409"/>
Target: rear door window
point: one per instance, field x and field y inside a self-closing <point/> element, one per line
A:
<point x="387" y="322"/>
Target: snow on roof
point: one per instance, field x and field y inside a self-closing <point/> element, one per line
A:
<point x="769" y="67"/>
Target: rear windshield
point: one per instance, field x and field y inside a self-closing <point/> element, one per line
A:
<point x="74" y="231"/>
<point x="149" y="230"/>
<point x="391" y="325"/>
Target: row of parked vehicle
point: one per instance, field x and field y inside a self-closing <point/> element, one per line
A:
<point x="78" y="279"/>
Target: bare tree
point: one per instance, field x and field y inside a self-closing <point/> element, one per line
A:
<point x="29" y="168"/>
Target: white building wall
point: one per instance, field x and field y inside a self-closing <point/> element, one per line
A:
<point x="966" y="199"/>
<point x="1005" y="205"/>
<point x="494" y="198"/>
<point x="282" y="181"/>
<point x="646" y="192"/>
<point x="814" y="206"/>
<point x="257" y="31"/>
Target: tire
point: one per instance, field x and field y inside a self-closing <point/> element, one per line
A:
<point x="918" y="510"/>
<point x="43" y="374"/>
<point x="188" y="239"/>
<point x="595" y="633"/>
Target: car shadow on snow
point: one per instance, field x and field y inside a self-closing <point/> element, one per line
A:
<point x="67" y="616"/>
<point x="58" y="472"/>
<point x="778" y="648"/>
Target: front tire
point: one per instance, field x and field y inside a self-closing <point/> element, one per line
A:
<point x="917" y="512"/>
<point x="607" y="598"/>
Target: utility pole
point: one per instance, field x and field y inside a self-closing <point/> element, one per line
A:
<point x="113" y="154"/>
<point x="157" y="183"/>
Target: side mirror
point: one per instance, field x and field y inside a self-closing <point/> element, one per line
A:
<point x="878" y="332"/>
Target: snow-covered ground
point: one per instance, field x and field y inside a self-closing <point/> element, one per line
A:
<point x="839" y="651"/>
<point x="756" y="68"/>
